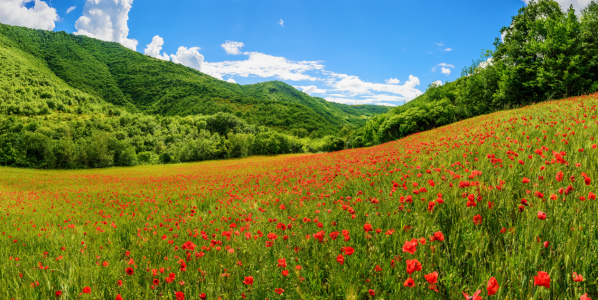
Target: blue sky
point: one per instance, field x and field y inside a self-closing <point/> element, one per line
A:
<point x="378" y="52"/>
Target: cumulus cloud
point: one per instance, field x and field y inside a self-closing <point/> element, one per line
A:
<point x="68" y="11"/>
<point x="264" y="65"/>
<point x="436" y="83"/>
<point x="153" y="49"/>
<point x="354" y="86"/>
<point x="40" y="16"/>
<point x="447" y="49"/>
<point x="189" y="57"/>
<point x="106" y="20"/>
<point x="445" y="68"/>
<point x="231" y="80"/>
<point x="392" y="81"/>
<point x="311" y="89"/>
<point x="233" y="48"/>
<point x="578" y="5"/>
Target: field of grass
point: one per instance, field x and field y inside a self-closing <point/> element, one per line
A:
<point x="506" y="196"/>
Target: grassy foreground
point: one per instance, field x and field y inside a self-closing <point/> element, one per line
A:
<point x="508" y="195"/>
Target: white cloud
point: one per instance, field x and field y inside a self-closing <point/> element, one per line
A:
<point x="437" y="83"/>
<point x="355" y="86"/>
<point x="440" y="44"/>
<point x="447" y="49"/>
<point x="190" y="58"/>
<point x="231" y="80"/>
<point x="106" y="20"/>
<point x="281" y="23"/>
<point x="392" y="81"/>
<point x="68" y="11"/>
<point x="153" y="49"/>
<point x="445" y="68"/>
<point x="40" y="16"/>
<point x="264" y="65"/>
<point x="578" y="5"/>
<point x="311" y="89"/>
<point x="486" y="63"/>
<point x="233" y="48"/>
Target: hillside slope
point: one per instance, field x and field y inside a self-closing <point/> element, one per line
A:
<point x="138" y="83"/>
<point x="503" y="204"/>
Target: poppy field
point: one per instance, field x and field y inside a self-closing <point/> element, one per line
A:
<point x="501" y="206"/>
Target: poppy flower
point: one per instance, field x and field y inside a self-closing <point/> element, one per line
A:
<point x="86" y="290"/>
<point x="340" y="259"/>
<point x="58" y="294"/>
<point x="577" y="278"/>
<point x="477" y="219"/>
<point x="475" y="296"/>
<point x="279" y="291"/>
<point x="492" y="286"/>
<point x="543" y="279"/>
<point x="129" y="271"/>
<point x="179" y="296"/>
<point x="432" y="277"/>
<point x="413" y="265"/>
<point x="409" y="282"/>
<point x="371" y="292"/>
<point x="541" y="215"/>
<point x="285" y="272"/>
<point x="119" y="297"/>
<point x="367" y="227"/>
<point x="348" y="250"/>
<point x="585" y="297"/>
<point x="248" y="280"/>
<point x="410" y="246"/>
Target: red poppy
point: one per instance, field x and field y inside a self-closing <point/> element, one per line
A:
<point x="492" y="286"/>
<point x="541" y="215"/>
<point x="410" y="246"/>
<point x="585" y="297"/>
<point x="58" y="294"/>
<point x="340" y="259"/>
<point x="179" y="296"/>
<point x="119" y="297"/>
<point x="432" y="277"/>
<point x="248" y="280"/>
<point x="156" y="281"/>
<point x="413" y="265"/>
<point x="475" y="296"/>
<point x="129" y="271"/>
<point x="367" y="227"/>
<point x="348" y="250"/>
<point x="409" y="282"/>
<point x="371" y="292"/>
<point x="559" y="176"/>
<point x="279" y="291"/>
<point x="577" y="278"/>
<point x="86" y="290"/>
<point x="477" y="219"/>
<point x="543" y="279"/>
<point x="285" y="272"/>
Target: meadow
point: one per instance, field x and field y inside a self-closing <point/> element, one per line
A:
<point x="501" y="206"/>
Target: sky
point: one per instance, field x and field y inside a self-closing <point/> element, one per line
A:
<point x="383" y="52"/>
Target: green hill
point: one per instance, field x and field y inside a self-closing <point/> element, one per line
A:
<point x="547" y="53"/>
<point x="139" y="83"/>
<point x="70" y="101"/>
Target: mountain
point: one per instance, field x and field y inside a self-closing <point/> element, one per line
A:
<point x="135" y="82"/>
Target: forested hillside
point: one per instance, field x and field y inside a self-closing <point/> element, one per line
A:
<point x="71" y="101"/>
<point x="547" y="53"/>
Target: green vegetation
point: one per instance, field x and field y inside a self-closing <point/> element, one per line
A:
<point x="546" y="54"/>
<point x="74" y="102"/>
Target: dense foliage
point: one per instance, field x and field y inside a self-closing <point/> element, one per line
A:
<point x="73" y="102"/>
<point x="501" y="205"/>
<point x="547" y="53"/>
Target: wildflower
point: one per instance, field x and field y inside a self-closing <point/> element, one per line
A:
<point x="492" y="286"/>
<point x="543" y="279"/>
